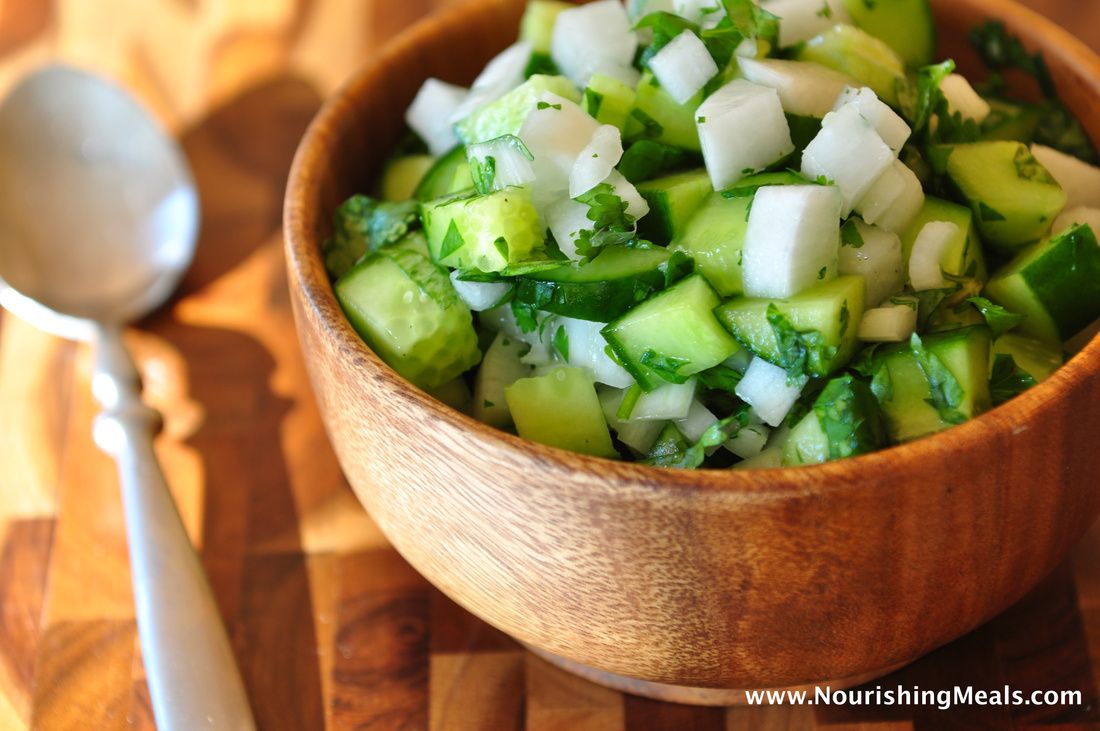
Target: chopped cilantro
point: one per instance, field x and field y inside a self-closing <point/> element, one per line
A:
<point x="720" y="378"/>
<point x="1008" y="380"/>
<point x="488" y="404"/>
<point x="561" y="343"/>
<point x="547" y="105"/>
<point x="822" y="272"/>
<point x="998" y="318"/>
<point x="484" y="173"/>
<point x="989" y="214"/>
<point x="666" y="366"/>
<point x="800" y="352"/>
<point x="947" y="394"/>
<point x="680" y="455"/>
<point x="361" y="225"/>
<point x="525" y="316"/>
<point x="592" y="102"/>
<point x="452" y="241"/>
<point x="611" y="223"/>
<point x="850" y="235"/>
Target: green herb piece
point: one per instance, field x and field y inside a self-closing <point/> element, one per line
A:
<point x="541" y="64"/>
<point x="630" y="400"/>
<point x="998" y="318"/>
<point x="947" y="394"/>
<point x="611" y="223"/>
<point x="851" y="418"/>
<point x="676" y="267"/>
<point x="525" y="316"/>
<point x="488" y="404"/>
<point x="561" y="343"/>
<point x="693" y="457"/>
<point x="720" y="378"/>
<point x="483" y="173"/>
<point x="850" y="235"/>
<point x="799" y="351"/>
<point x="647" y="159"/>
<point x="452" y="241"/>
<point x="650" y="127"/>
<point x="1008" y="379"/>
<point x="666" y="366"/>
<point x="989" y="214"/>
<point x="362" y="225"/>
<point x="547" y="105"/>
<point x="592" y="102"/>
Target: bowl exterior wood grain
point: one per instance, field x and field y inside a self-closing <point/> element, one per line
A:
<point x="716" y="579"/>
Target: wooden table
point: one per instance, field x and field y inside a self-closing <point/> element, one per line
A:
<point x="332" y="629"/>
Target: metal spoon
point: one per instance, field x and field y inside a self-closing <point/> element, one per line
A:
<point x="98" y="221"/>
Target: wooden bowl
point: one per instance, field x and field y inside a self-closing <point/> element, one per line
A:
<point x="709" y="580"/>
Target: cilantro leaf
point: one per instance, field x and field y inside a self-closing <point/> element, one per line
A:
<point x="666" y="366"/>
<point x="850" y="235"/>
<point x="484" y="173"/>
<point x="1008" y="380"/>
<point x="692" y="457"/>
<point x="998" y="318"/>
<point x="800" y="351"/>
<point x="525" y="316"/>
<point x="362" y="225"/>
<point x="720" y="378"/>
<point x="947" y="394"/>
<point x="647" y="159"/>
<point x="611" y="223"/>
<point x="850" y="416"/>
<point x="452" y="241"/>
<point x="923" y="101"/>
<point x="561" y="343"/>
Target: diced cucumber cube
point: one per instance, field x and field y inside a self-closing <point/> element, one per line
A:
<point x="715" y="238"/>
<point x="561" y="409"/>
<point x="405" y="309"/>
<point x="1036" y="358"/>
<point x="609" y="100"/>
<point x="805" y="89"/>
<point x="904" y="25"/>
<point x="889" y="324"/>
<point x="1079" y="215"/>
<point x="875" y="255"/>
<point x="925" y="269"/>
<point x="807" y="443"/>
<point x="506" y="115"/>
<point x="769" y="391"/>
<point x="826" y="317"/>
<point x="962" y="98"/>
<point x="847" y="153"/>
<point x="430" y="113"/>
<point x="801" y="20"/>
<point x="594" y="38"/>
<point x="1078" y="179"/>
<point x="499" y="369"/>
<point x="742" y="131"/>
<point x="868" y="60"/>
<point x="673" y="200"/>
<point x="845" y="421"/>
<point x="403" y="175"/>
<point x="683" y="66"/>
<point x="661" y="118"/>
<point x="1055" y="284"/>
<point x="792" y="239"/>
<point x="537" y="26"/>
<point x="889" y="125"/>
<point x="449" y="175"/>
<point x="671" y="336"/>
<point x="1015" y="199"/>
<point x="963" y="257"/>
<point x="485" y="232"/>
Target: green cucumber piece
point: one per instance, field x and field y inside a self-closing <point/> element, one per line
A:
<point x="904" y="25"/>
<point x="905" y="391"/>
<point x="656" y="115"/>
<point x="832" y="310"/>
<point x="499" y="369"/>
<point x="1055" y="284"/>
<point x="964" y="256"/>
<point x="1036" y="358"/>
<point x="673" y="200"/>
<point x="670" y="444"/>
<point x="803" y="130"/>
<point x="489" y="233"/>
<point x="1014" y="198"/>
<point x="609" y="100"/>
<point x="561" y="409"/>
<point x="671" y="336"/>
<point x="615" y="281"/>
<point x="858" y="54"/>
<point x="405" y="309"/>
<point x="449" y="175"/>
<point x="403" y="175"/>
<point x="846" y="420"/>
<point x="1011" y="121"/>
<point x="715" y="237"/>
<point x="537" y="26"/>
<point x="506" y="115"/>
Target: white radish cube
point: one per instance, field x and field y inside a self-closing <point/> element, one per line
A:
<point x="567" y="219"/>
<point x="962" y="98"/>
<point x="596" y="160"/>
<point x="848" y="153"/>
<point x="894" y="199"/>
<point x="925" y="270"/>
<point x="510" y="163"/>
<point x="890" y="126"/>
<point x="592" y="38"/>
<point x="500" y="76"/>
<point x="707" y="13"/>
<point x="668" y="402"/>
<point x="792" y="239"/>
<point x="430" y="113"/>
<point x="878" y="260"/>
<point x="556" y="131"/>
<point x="1080" y="180"/>
<point x="1081" y="214"/>
<point x="480" y="296"/>
<point x="696" y="423"/>
<point x="805" y="89"/>
<point x="749" y="441"/>
<point x="588" y="351"/>
<point x="638" y="9"/>
<point x="636" y="204"/>
<point x="683" y="66"/>
<point x="638" y="435"/>
<point x="893" y="324"/>
<point x="801" y="20"/>
<point x="766" y="389"/>
<point x="742" y="131"/>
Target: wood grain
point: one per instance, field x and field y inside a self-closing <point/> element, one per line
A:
<point x="301" y="571"/>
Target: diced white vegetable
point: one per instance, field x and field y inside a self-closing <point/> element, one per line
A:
<point x="742" y="130"/>
<point x="739" y="361"/>
<point x="801" y="20"/>
<point x="962" y="98"/>
<point x="566" y="219"/>
<point x="695" y="424"/>
<point x="500" y="76"/>
<point x="894" y="199"/>
<point x="638" y="435"/>
<point x="878" y="261"/>
<point x="805" y="89"/>
<point x="766" y="389"/>
<point x="792" y="239"/>
<point x="925" y="271"/>
<point x="636" y="205"/>
<point x="749" y="442"/>
<point x="429" y="114"/>
<point x="1081" y="214"/>
<point x="707" y="13"/>
<point x="638" y="9"/>
<point x="555" y="131"/>
<point x="500" y="368"/>
<point x="683" y="66"/>
<point x="502" y="320"/>
<point x="511" y="165"/>
<point x="892" y="324"/>
<point x="890" y="126"/>
<point x="596" y="160"/>
<point x="1080" y="180"/>
<point x="849" y="153"/>
<point x="588" y="351"/>
<point x="594" y="38"/>
<point x="479" y="296"/>
<point x="670" y="402"/>
<point x="748" y="48"/>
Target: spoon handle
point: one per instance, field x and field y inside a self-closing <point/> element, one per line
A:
<point x="193" y="679"/>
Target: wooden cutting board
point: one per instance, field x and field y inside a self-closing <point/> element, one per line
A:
<point x="332" y="629"/>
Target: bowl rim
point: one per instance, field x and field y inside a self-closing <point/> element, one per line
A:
<point x="306" y="271"/>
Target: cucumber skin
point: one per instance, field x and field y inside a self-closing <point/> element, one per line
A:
<point x="906" y="26"/>
<point x="450" y="174"/>
<point x="715" y="237"/>
<point x="673" y="200"/>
